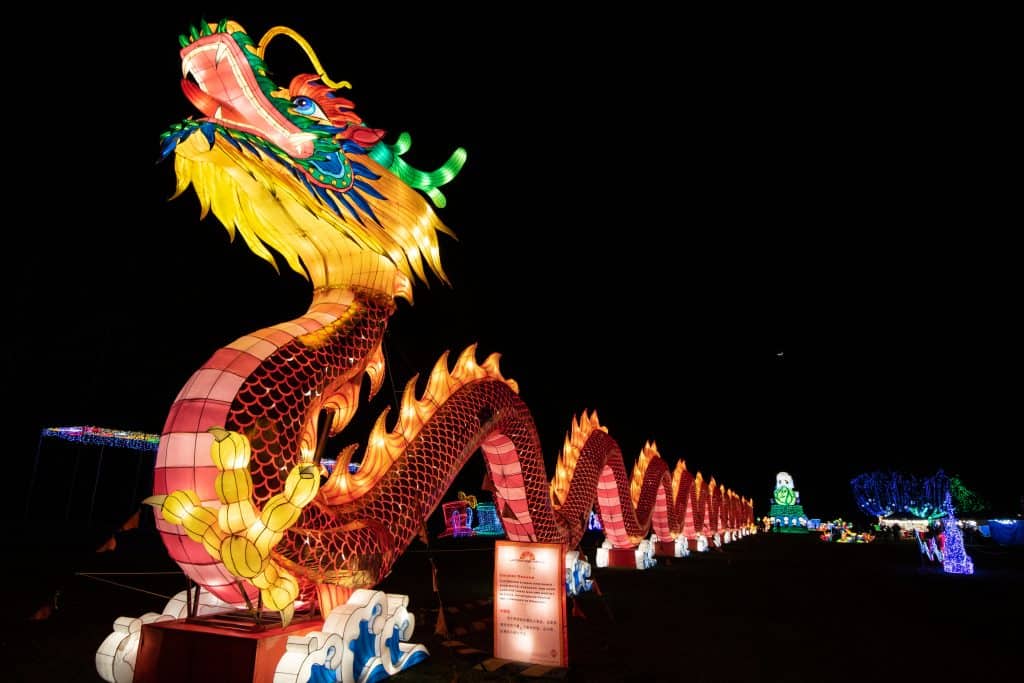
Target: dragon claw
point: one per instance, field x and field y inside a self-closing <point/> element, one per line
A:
<point x="238" y="534"/>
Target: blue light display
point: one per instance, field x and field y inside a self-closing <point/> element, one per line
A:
<point x="881" y="494"/>
<point x="488" y="523"/>
<point x="955" y="559"/>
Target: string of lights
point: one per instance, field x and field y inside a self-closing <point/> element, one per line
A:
<point x="104" y="436"/>
<point x="881" y="494"/>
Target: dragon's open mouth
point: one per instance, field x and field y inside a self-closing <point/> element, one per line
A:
<point x="218" y="79"/>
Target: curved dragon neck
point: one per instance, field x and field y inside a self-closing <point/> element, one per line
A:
<point x="358" y="270"/>
<point x="317" y="366"/>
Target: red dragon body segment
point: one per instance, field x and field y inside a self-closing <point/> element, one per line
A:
<point x="270" y="386"/>
<point x="245" y="501"/>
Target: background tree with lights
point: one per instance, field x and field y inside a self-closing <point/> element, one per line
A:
<point x="966" y="501"/>
<point x="883" y="494"/>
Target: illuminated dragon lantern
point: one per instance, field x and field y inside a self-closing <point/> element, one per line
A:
<point x="246" y="503"/>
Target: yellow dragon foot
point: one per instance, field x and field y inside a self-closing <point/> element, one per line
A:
<point x="237" y="534"/>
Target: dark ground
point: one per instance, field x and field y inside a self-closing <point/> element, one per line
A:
<point x="768" y="608"/>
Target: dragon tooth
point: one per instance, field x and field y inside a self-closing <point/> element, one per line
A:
<point x="186" y="64"/>
<point x="218" y="114"/>
<point x="222" y="52"/>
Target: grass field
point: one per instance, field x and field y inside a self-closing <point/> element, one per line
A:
<point x="767" y="608"/>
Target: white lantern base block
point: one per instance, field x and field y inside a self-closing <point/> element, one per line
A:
<point x="360" y="641"/>
<point x="115" y="659"/>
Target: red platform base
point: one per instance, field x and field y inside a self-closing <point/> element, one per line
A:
<point x="179" y="651"/>
<point x="622" y="557"/>
<point x="665" y="549"/>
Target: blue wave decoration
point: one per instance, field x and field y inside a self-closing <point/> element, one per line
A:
<point x="363" y="647"/>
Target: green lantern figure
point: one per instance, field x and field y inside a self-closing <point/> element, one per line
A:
<point x="787" y="514"/>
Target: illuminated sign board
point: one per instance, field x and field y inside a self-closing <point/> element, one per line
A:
<point x="529" y="603"/>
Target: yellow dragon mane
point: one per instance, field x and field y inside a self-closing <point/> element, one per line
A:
<point x="295" y="171"/>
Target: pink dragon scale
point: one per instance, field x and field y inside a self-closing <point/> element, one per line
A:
<point x="247" y="507"/>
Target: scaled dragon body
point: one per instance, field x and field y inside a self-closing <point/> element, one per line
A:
<point x="246" y="503"/>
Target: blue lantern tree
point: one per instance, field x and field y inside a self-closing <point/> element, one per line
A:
<point x="955" y="559"/>
<point x="881" y="494"/>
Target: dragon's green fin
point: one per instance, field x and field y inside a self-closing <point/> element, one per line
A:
<point x="390" y="157"/>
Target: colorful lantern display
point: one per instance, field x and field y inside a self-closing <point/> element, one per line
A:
<point x="955" y="559"/>
<point x="458" y="519"/>
<point x="487" y="521"/>
<point x="786" y="513"/>
<point x="246" y="504"/>
<point x="104" y="436"/>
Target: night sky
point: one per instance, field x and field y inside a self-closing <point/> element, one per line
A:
<point x="764" y="249"/>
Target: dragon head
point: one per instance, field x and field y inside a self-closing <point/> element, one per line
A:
<point x="294" y="169"/>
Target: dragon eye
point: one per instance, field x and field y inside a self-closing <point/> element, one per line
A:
<point x="307" y="107"/>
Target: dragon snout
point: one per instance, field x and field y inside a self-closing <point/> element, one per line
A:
<point x="218" y="78"/>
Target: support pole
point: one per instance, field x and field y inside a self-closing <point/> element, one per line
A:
<point x="74" y="480"/>
<point x="96" y="484"/>
<point x="32" y="479"/>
